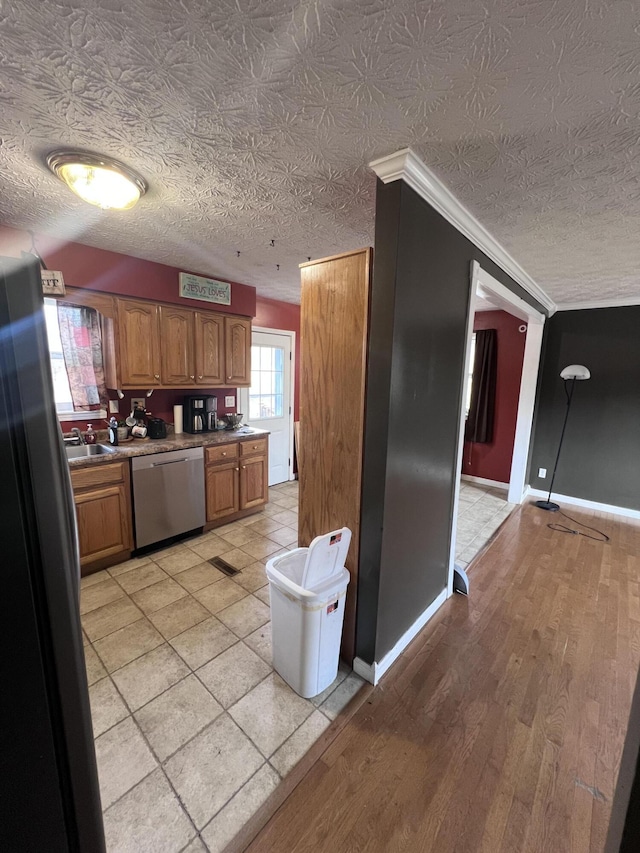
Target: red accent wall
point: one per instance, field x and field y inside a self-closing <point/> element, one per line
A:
<point x="273" y="314"/>
<point x="493" y="461"/>
<point x="98" y="269"/>
<point x="110" y="272"/>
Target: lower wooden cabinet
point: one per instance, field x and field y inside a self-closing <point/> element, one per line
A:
<point x="222" y="490"/>
<point x="103" y="510"/>
<point x="254" y="479"/>
<point x="237" y="477"/>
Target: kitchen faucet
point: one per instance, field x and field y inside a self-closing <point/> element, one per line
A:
<point x="78" y="435"/>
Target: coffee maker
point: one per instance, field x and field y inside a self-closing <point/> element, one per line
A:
<point x="200" y="413"/>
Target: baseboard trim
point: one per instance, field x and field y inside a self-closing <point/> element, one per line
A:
<point x="365" y="670"/>
<point x="373" y="672"/>
<point x="624" y="511"/>
<point x="482" y="481"/>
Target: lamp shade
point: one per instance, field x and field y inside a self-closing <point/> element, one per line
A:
<point x="575" y="371"/>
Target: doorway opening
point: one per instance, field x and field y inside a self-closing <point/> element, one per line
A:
<point x="483" y="501"/>
<point x="268" y="402"/>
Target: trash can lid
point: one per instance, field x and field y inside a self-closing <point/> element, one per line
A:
<point x="326" y="556"/>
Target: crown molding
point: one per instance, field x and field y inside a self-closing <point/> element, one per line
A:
<point x="406" y="165"/>
<point x="620" y="302"/>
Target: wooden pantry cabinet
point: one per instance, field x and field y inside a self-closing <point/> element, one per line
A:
<point x="102" y="496"/>
<point x="236" y="479"/>
<point x="151" y="345"/>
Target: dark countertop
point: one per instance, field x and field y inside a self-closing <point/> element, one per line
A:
<point x="145" y="446"/>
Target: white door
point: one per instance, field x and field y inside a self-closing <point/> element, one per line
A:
<point x="267" y="404"/>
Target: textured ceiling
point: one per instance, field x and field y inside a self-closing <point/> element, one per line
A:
<point x="254" y="120"/>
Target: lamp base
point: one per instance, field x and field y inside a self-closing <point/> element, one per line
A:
<point x="548" y="505"/>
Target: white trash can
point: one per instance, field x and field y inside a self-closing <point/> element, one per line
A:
<point x="307" y="590"/>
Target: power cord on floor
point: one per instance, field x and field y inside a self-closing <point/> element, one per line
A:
<point x="562" y="528"/>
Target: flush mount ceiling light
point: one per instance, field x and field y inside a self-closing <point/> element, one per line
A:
<point x="98" y="180"/>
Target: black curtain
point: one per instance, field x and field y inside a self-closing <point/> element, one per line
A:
<point x="479" y="426"/>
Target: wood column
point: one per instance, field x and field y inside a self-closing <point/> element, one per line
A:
<point x="334" y="340"/>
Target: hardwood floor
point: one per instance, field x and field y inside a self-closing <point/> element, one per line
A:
<point x="501" y="727"/>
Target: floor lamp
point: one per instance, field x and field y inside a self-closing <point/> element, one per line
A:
<point x="570" y="374"/>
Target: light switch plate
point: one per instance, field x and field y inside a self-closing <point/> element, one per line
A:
<point x="114" y="407"/>
<point x="229" y="402"/>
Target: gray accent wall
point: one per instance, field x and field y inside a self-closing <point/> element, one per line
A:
<point x="418" y="324"/>
<point x="600" y="458"/>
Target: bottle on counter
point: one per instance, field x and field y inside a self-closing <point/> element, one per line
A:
<point x="90" y="436"/>
<point x="113" y="431"/>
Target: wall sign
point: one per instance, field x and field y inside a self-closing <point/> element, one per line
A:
<point x="52" y="283"/>
<point x="206" y="289"/>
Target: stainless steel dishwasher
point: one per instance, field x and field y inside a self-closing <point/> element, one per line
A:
<point x="168" y="494"/>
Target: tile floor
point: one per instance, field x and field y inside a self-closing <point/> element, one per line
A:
<point x="193" y="728"/>
<point x="481" y="511"/>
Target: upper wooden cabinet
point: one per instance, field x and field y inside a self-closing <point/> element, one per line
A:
<point x="209" y="349"/>
<point x="177" y="346"/>
<point x="139" y="344"/>
<point x="238" y="350"/>
<point x="168" y="346"/>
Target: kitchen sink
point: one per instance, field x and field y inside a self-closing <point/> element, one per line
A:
<point x="82" y="450"/>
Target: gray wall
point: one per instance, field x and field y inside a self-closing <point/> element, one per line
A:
<point x="418" y="323"/>
<point x="600" y="458"/>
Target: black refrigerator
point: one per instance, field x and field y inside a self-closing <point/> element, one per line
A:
<point x="49" y="795"/>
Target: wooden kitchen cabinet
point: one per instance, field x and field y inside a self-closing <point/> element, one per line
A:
<point x="222" y="490"/>
<point x="254" y="478"/>
<point x="177" y="350"/>
<point x="149" y="345"/>
<point x="236" y="478"/>
<point x="237" y="332"/>
<point x="102" y="498"/>
<point x="209" y="349"/>
<point x="139" y="344"/>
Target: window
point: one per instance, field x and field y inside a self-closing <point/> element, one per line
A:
<point x="266" y="398"/>
<point x="469" y="382"/>
<point x="65" y="407"/>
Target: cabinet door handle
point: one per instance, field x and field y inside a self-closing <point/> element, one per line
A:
<point x="225" y="453"/>
<point x="243" y="467"/>
<point x="236" y="469"/>
<point x="193" y="377"/>
<point x="156" y="376"/>
<point x="199" y="377"/>
<point x="228" y="377"/>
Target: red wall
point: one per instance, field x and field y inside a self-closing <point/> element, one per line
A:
<point x="273" y="314"/>
<point x="493" y="461"/>
<point x="97" y="269"/>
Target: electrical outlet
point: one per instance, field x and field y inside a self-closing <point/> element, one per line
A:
<point x="229" y="402"/>
<point x="542" y="473"/>
<point x="137" y="403"/>
<point x="114" y="407"/>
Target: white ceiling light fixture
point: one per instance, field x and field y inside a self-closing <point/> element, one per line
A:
<point x="98" y="180"/>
